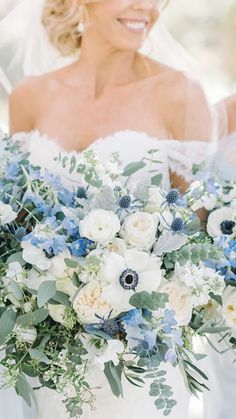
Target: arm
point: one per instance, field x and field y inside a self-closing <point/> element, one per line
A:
<point x="227" y="113"/>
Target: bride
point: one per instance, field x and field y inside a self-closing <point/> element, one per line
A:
<point x="112" y="98"/>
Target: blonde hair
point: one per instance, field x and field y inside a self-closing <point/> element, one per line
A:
<point x="61" y="19"/>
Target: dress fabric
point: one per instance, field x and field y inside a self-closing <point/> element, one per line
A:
<point x="174" y="156"/>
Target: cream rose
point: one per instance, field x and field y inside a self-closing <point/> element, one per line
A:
<point x="100" y="226"/>
<point x="139" y="230"/>
<point x="180" y="301"/>
<point x="89" y="301"/>
<point x="229" y="306"/>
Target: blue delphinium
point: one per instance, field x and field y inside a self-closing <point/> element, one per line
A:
<point x="80" y="247"/>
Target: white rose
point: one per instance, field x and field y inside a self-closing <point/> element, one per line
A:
<point x="180" y="300"/>
<point x="139" y="230"/>
<point x="155" y="200"/>
<point x="57" y="311"/>
<point x="7" y="215"/>
<point x="229" y="306"/>
<point x="28" y="335"/>
<point x="89" y="301"/>
<point x="100" y="226"/>
<point x="113" y="348"/>
<point x="216" y="218"/>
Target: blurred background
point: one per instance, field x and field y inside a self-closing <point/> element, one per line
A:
<point x="206" y="28"/>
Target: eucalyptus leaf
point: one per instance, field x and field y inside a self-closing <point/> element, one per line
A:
<point x="33" y="318"/>
<point x="23" y="389"/>
<point x="62" y="298"/>
<point x="38" y="355"/>
<point x="113" y="375"/>
<point x="16" y="290"/>
<point x="133" y="167"/>
<point x="46" y="291"/>
<point x="7" y="323"/>
<point x="71" y="263"/>
<point x="156" y="180"/>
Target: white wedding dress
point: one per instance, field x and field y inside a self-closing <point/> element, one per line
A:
<point x="177" y="156"/>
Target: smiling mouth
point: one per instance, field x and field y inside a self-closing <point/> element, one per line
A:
<point x="135" y="26"/>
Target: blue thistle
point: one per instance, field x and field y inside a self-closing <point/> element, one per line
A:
<point x="20" y="233"/>
<point x="125" y="201"/>
<point x="172" y="196"/>
<point x="177" y="225"/>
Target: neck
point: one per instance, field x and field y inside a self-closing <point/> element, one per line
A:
<point x="105" y="66"/>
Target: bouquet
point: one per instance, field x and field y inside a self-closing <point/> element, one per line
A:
<point x="107" y="273"/>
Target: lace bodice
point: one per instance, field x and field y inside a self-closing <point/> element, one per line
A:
<point x="174" y="155"/>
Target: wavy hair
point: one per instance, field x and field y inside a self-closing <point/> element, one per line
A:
<point x="61" y="19"/>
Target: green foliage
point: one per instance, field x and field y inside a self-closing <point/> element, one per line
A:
<point x="46" y="291"/>
<point x="113" y="374"/>
<point x="33" y="318"/>
<point x="145" y="300"/>
<point x="7" y="324"/>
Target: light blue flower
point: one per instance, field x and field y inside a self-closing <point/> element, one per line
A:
<point x="133" y="317"/>
<point x="171" y="356"/>
<point x="169" y="321"/>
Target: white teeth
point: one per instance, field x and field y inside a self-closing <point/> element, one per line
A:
<point x="138" y="26"/>
<point x="134" y="25"/>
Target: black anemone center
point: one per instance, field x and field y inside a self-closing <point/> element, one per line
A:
<point x="49" y="253"/>
<point x="227" y="227"/>
<point x="129" y="279"/>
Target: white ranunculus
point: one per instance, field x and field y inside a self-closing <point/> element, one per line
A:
<point x="100" y="226"/>
<point x="155" y="200"/>
<point x="139" y="229"/>
<point x="89" y="301"/>
<point x="229" y="306"/>
<point x="36" y="257"/>
<point x="113" y="348"/>
<point x="136" y="271"/>
<point x="7" y="215"/>
<point x="27" y="334"/>
<point x="180" y="300"/>
<point x="57" y="311"/>
<point x="216" y="218"/>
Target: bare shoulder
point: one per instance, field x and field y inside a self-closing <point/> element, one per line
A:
<point x="30" y="97"/>
<point x="23" y="103"/>
<point x="184" y="104"/>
